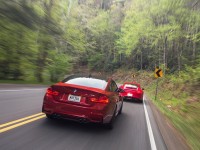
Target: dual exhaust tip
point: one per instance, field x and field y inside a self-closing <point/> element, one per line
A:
<point x="81" y="120"/>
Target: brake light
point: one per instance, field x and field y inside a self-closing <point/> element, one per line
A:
<point x="101" y="99"/>
<point x="51" y="92"/>
<point x="139" y="91"/>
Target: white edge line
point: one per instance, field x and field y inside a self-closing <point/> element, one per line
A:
<point x="151" y="137"/>
<point x="20" y="90"/>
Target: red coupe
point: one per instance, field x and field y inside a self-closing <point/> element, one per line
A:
<point x="84" y="99"/>
<point x="131" y="91"/>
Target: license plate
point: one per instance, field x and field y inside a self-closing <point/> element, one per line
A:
<point x="74" y="98"/>
<point x="129" y="94"/>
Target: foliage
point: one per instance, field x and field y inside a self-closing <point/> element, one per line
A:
<point x="18" y="50"/>
<point x="102" y="35"/>
<point x="178" y="98"/>
<point x="29" y="39"/>
<point x="58" y="66"/>
<point x="166" y="30"/>
<point x="42" y="40"/>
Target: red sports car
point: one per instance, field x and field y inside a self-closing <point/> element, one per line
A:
<point x="131" y="91"/>
<point x="84" y="99"/>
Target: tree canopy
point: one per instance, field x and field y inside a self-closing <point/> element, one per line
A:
<point x="45" y="39"/>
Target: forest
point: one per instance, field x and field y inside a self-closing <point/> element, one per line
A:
<point x="43" y="40"/>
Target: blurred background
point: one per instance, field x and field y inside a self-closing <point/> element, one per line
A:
<point x="41" y="41"/>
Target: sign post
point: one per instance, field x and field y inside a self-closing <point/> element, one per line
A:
<point x="156" y="89"/>
<point x="158" y="74"/>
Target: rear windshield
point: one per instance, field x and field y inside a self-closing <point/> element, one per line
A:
<point x="130" y="86"/>
<point x="88" y="82"/>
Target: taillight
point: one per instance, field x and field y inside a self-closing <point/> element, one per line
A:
<point x="139" y="91"/>
<point x="101" y="99"/>
<point x="51" y="92"/>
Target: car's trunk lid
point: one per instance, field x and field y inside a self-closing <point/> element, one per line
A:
<point x="75" y="95"/>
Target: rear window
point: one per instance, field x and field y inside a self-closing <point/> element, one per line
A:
<point x="88" y="82"/>
<point x="130" y="86"/>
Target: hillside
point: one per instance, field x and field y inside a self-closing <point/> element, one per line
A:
<point x="178" y="98"/>
<point x="42" y="41"/>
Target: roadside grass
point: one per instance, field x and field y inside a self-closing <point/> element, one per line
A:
<point x="180" y="107"/>
<point x="24" y="82"/>
<point x="178" y="98"/>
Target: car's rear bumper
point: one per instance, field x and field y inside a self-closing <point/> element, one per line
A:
<point x="140" y="98"/>
<point x="75" y="112"/>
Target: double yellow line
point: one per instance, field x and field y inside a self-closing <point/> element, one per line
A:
<point x="19" y="122"/>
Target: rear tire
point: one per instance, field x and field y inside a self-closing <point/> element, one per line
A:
<point x="120" y="111"/>
<point x="141" y="100"/>
<point x="49" y="116"/>
<point x="110" y="125"/>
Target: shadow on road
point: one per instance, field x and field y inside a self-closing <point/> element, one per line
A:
<point x="134" y="101"/>
<point x="68" y="125"/>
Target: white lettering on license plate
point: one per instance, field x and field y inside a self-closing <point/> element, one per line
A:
<point x="129" y="94"/>
<point x="74" y="98"/>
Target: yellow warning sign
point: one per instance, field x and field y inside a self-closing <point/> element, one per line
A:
<point x="133" y="75"/>
<point x="158" y="72"/>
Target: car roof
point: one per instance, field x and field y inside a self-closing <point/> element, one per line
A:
<point x="100" y="77"/>
<point x="98" y="82"/>
<point x="132" y="83"/>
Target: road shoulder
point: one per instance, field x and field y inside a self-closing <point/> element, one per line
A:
<point x="172" y="137"/>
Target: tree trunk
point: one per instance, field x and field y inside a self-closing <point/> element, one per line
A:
<point x="194" y="48"/>
<point x="141" y="61"/>
<point x="158" y="56"/>
<point x="164" y="54"/>
<point x="40" y="65"/>
<point x="193" y="52"/>
<point x="69" y="8"/>
<point x="179" y="58"/>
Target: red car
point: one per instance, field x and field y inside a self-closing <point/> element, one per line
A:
<point x="84" y="99"/>
<point x="131" y="91"/>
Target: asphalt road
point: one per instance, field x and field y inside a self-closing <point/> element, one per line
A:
<point x="130" y="129"/>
